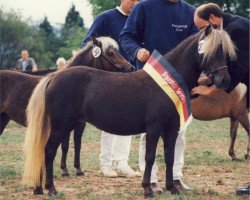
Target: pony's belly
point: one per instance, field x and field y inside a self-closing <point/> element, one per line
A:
<point x="118" y="127"/>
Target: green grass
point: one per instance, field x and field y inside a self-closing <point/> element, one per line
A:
<point x="208" y="168"/>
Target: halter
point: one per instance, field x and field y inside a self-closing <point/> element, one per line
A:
<point x="213" y="72"/>
<point x="114" y="66"/>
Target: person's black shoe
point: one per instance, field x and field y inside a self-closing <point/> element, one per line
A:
<point x="243" y="190"/>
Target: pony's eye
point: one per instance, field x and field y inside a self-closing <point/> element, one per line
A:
<point x="110" y="53"/>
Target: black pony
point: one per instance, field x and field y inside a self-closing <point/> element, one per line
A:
<point x="119" y="103"/>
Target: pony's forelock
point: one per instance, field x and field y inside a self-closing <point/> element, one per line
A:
<point x="216" y="38"/>
<point x="107" y="42"/>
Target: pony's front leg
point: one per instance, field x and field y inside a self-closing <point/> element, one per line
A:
<point x="50" y="153"/>
<point x="65" y="149"/>
<point x="169" y="140"/>
<point x="152" y="138"/>
<point x="78" y="131"/>
<point x="234" y="123"/>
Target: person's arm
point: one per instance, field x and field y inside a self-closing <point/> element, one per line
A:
<point x="34" y="65"/>
<point x="131" y="35"/>
<point x="96" y="29"/>
<point x="18" y="65"/>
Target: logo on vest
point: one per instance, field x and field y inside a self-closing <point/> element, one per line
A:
<point x="179" y="27"/>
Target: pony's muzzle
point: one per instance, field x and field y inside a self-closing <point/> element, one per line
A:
<point x="129" y="68"/>
<point x="222" y="80"/>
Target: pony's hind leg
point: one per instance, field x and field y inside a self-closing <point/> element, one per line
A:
<point x="78" y="132"/>
<point x="234" y="123"/>
<point x="39" y="189"/>
<point x="54" y="141"/>
<point x="4" y="120"/>
<point x="152" y="137"/>
<point x="65" y="148"/>
<point x="245" y="122"/>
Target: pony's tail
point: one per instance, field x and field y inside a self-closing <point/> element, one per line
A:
<point x="37" y="134"/>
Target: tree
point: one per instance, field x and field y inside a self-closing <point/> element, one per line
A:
<point x="73" y="18"/>
<point x="51" y="40"/>
<point x="239" y="7"/>
<point x="16" y="35"/>
<point x="72" y="43"/>
<point x="99" y="6"/>
<point x="73" y="32"/>
<point x="46" y="27"/>
<point x="73" y="21"/>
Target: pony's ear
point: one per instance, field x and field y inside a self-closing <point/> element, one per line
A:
<point x="96" y="42"/>
<point x="208" y="29"/>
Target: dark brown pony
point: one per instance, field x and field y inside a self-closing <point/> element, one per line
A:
<point x="119" y="103"/>
<point x="16" y="89"/>
<point x="232" y="105"/>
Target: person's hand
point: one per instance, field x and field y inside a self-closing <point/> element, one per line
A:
<point x="143" y="55"/>
<point x="34" y="69"/>
<point x="204" y="90"/>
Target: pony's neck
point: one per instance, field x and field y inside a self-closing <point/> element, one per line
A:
<point x="183" y="59"/>
<point x="84" y="58"/>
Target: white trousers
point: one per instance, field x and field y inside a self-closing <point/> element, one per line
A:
<point x="178" y="157"/>
<point x="114" y="148"/>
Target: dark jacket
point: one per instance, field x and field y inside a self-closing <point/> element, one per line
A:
<point x="29" y="66"/>
<point x="238" y="29"/>
<point x="109" y="23"/>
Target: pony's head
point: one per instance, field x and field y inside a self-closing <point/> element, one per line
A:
<point x="102" y="53"/>
<point x="215" y="48"/>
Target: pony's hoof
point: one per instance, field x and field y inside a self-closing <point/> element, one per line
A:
<point x="80" y="173"/>
<point x="65" y="174"/>
<point x="52" y="192"/>
<point x="38" y="191"/>
<point x="148" y="192"/>
<point x="173" y="189"/>
<point x="233" y="156"/>
<point x="247" y="157"/>
<point x="149" y="195"/>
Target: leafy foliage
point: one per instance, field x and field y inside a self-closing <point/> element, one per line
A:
<point x="44" y="42"/>
<point x="239" y="7"/>
<point x="99" y="6"/>
<point x="73" y="32"/>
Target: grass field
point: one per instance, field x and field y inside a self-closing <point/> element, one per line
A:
<point x="208" y="168"/>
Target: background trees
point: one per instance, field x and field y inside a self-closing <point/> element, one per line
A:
<point x="46" y="43"/>
<point x="240" y="7"/>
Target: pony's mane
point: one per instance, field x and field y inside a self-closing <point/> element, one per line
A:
<point x="216" y="38"/>
<point x="107" y="42"/>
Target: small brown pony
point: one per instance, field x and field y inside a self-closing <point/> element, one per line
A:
<point x="232" y="105"/>
<point x="16" y="89"/>
<point x="119" y="103"/>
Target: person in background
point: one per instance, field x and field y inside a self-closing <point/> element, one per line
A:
<point x="114" y="149"/>
<point x="160" y="25"/>
<point x="61" y="63"/>
<point x="238" y="29"/>
<point x="26" y="63"/>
